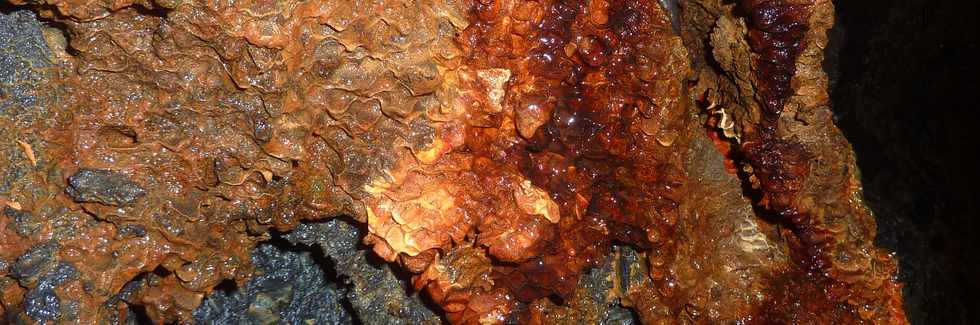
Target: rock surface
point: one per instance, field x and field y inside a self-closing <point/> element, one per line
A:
<point x="287" y="287"/>
<point x="490" y="161"/>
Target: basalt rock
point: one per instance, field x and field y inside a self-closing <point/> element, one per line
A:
<point x="287" y="286"/>
<point x="102" y="186"/>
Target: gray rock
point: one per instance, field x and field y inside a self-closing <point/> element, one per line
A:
<point x="376" y="294"/>
<point x="23" y="53"/>
<point x="288" y="287"/>
<point x="24" y="71"/>
<point x="103" y="186"/>
<point x="35" y="262"/>
<point x="23" y="222"/>
<point x="599" y="281"/>
<point x="40" y="303"/>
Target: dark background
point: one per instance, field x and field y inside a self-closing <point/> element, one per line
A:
<point x="905" y="96"/>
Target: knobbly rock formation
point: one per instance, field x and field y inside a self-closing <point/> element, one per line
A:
<point x="514" y="161"/>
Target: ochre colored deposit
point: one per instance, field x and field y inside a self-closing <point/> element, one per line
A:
<point x="497" y="150"/>
<point x="591" y="117"/>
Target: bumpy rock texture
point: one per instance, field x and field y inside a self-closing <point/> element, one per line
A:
<point x="552" y="161"/>
<point x="286" y="287"/>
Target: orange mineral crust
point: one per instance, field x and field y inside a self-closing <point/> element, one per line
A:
<point x="595" y="103"/>
<point x="518" y="161"/>
<point x="586" y="130"/>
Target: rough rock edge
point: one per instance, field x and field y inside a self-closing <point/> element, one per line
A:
<point x="824" y="199"/>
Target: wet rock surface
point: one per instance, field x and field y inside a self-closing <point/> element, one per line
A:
<point x="103" y="186"/>
<point x="568" y="162"/>
<point x="41" y="303"/>
<point x="375" y="293"/>
<point x="287" y="287"/>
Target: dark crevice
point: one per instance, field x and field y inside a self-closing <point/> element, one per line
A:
<point x="140" y="317"/>
<point x="7" y="8"/>
<point x="136" y="313"/>
<point x="156" y="11"/>
<point x="634" y="314"/>
<point x="227" y="286"/>
<point x="404" y="276"/>
<point x="161" y="271"/>
<point x="433" y="306"/>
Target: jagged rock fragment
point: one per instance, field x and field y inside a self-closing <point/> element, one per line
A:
<point x="103" y="186"/>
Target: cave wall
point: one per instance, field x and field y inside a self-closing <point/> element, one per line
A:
<point x="910" y="153"/>
<point x="907" y="75"/>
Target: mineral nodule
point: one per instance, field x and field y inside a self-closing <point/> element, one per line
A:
<point x="402" y="161"/>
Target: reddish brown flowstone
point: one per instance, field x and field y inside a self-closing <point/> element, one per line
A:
<point x="502" y="152"/>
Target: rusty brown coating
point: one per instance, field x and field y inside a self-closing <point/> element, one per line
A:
<point x="782" y="167"/>
<point x="596" y="101"/>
